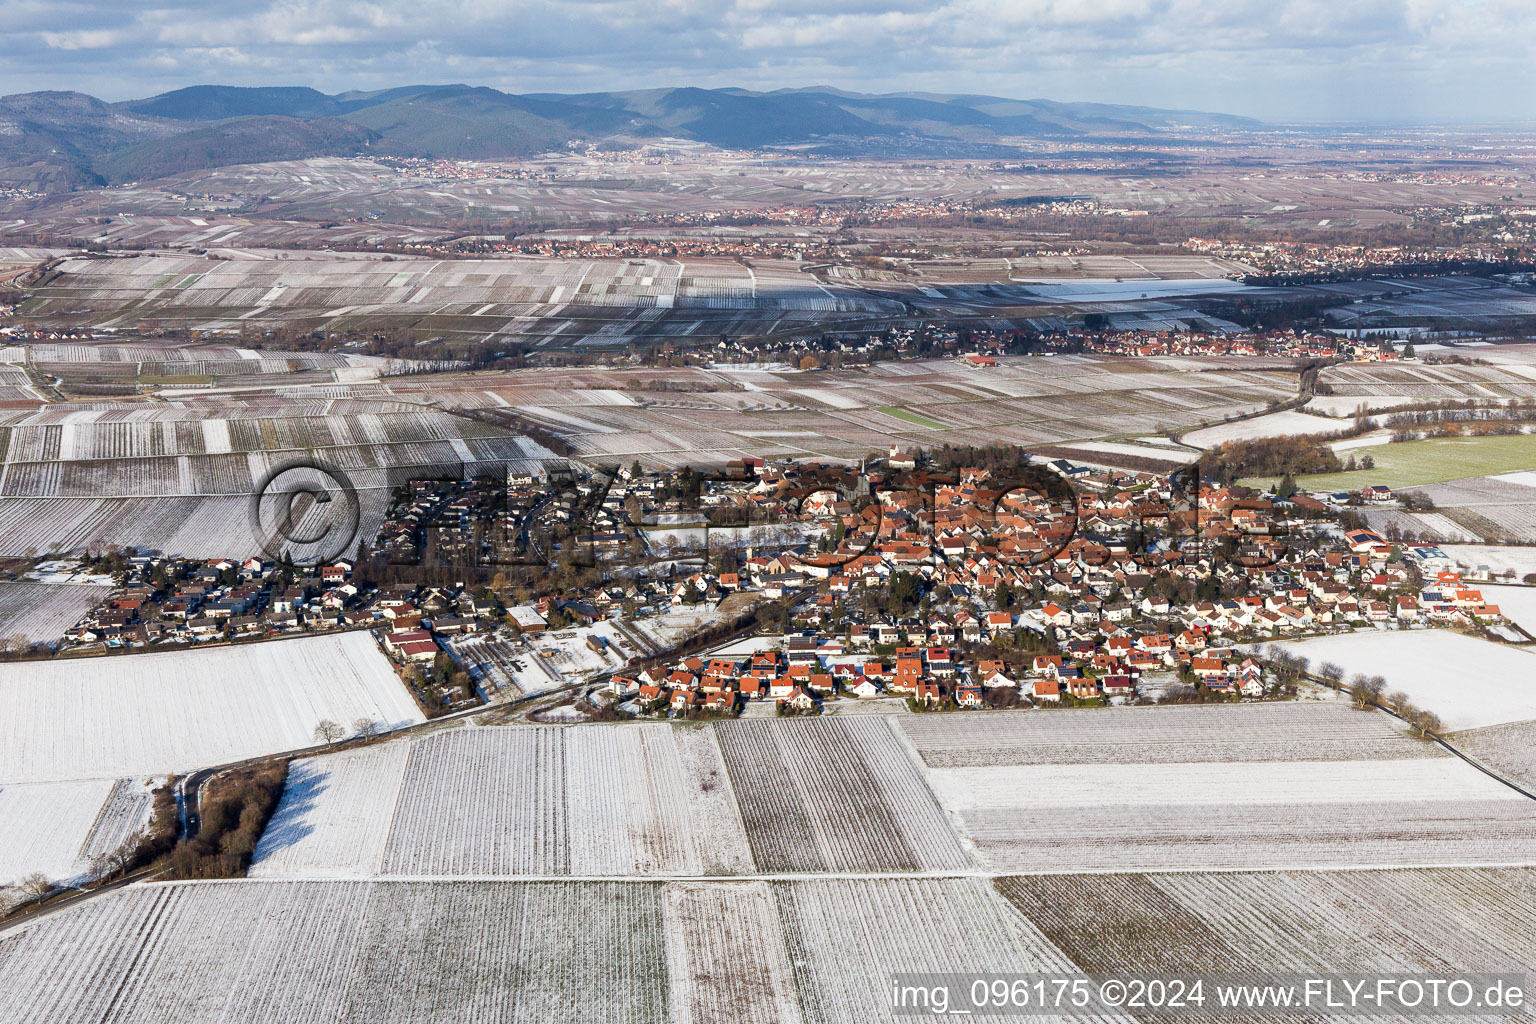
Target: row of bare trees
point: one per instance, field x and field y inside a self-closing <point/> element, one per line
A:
<point x="331" y="733"/>
<point x="1371" y="692"/>
<point x="103" y="867"/>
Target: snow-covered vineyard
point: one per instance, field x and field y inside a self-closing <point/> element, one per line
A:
<point x="57" y="827"/>
<point x="1264" y="786"/>
<point x="606" y="800"/>
<point x="834" y="795"/>
<point x="1302" y="784"/>
<point x="41" y="612"/>
<point x="154" y="713"/>
<point x="178" y="477"/>
<point x="786" y="952"/>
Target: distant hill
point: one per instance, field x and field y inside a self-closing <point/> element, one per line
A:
<point x="244" y="140"/>
<point x="62" y="140"/>
<point x="216" y="102"/>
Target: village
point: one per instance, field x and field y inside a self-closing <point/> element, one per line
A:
<point x="948" y="579"/>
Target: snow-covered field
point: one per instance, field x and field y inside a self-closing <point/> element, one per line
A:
<point x="41" y="612"/>
<point x="425" y="952"/>
<point x="944" y="925"/>
<point x="835" y="794"/>
<point x="1153" y="451"/>
<point x="1278" y="785"/>
<point x="730" y="942"/>
<point x="1499" y="558"/>
<point x="678" y="623"/>
<point x="1428" y="526"/>
<point x="613" y="800"/>
<point x="1371" y="440"/>
<point x="1466" y="681"/>
<point x="56" y="827"/>
<point x="815" y="951"/>
<point x="334" y="815"/>
<point x="46" y="825"/>
<point x="1282" y="785"/>
<point x="1291" y="731"/>
<point x="339" y="952"/>
<point x="1373" y="921"/>
<point x="1253" y="783"/>
<point x="146" y="714"/>
<point x="1517" y="603"/>
<point x="744" y="646"/>
<point x="1506" y="748"/>
<point x="1275" y="424"/>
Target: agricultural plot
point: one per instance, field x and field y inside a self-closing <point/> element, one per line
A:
<point x="177" y="476"/>
<point x="1429" y="527"/>
<point x="1518" y="604"/>
<point x="144" y="714"/>
<point x="1296" y="731"/>
<point x="334" y="815"/>
<point x="1130" y="454"/>
<point x="1500" y="509"/>
<point x="610" y="801"/>
<point x="208" y="527"/>
<point x="57" y="827"/>
<point x="1273" y="785"/>
<point x="41" y="612"/>
<point x="849" y="413"/>
<point x="1344" y="407"/>
<point x="835" y="794"/>
<point x="726" y="955"/>
<point x="914" y="925"/>
<point x="1429" y="383"/>
<point x="194" y="452"/>
<point x="1453" y="828"/>
<point x="1500" y="559"/>
<point x="344" y="952"/>
<point x="1414" y="463"/>
<point x="1345" y="921"/>
<point x="1468" y="682"/>
<point x="1508" y="748"/>
<point x="800" y="952"/>
<point x="575" y="301"/>
<point x="1276" y="424"/>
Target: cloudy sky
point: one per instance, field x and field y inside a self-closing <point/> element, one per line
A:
<point x="1447" y="60"/>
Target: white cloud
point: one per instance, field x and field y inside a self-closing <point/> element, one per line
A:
<point x="1275" y="58"/>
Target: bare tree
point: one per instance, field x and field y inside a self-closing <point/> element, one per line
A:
<point x="1400" y="704"/>
<point x="117" y="861"/>
<point x="1359" y="691"/>
<point x="1428" y="723"/>
<point x="35" y="886"/>
<point x="101" y="866"/>
<point x="329" y="732"/>
<point x="1375" y="686"/>
<point x="1330" y="673"/>
<point x="367" y="727"/>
